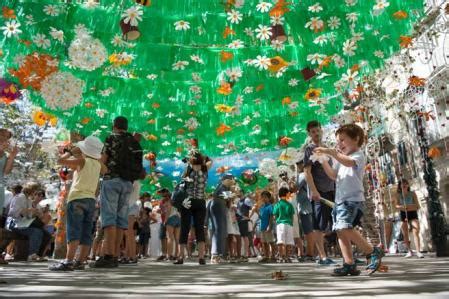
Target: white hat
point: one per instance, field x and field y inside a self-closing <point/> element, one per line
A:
<point x="91" y="146"/>
<point x="148" y="205"/>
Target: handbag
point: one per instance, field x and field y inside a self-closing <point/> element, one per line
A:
<point x="179" y="194"/>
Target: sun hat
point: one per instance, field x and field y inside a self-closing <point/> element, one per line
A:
<point x="91" y="146"/>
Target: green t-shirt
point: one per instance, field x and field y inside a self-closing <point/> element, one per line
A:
<point x="284" y="211"/>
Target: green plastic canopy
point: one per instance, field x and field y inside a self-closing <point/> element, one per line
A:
<point x="236" y="75"/>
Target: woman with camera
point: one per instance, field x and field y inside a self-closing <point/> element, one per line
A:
<point x="194" y="207"/>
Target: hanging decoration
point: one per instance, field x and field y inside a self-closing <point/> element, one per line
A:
<point x="9" y="92"/>
<point x="175" y="68"/>
<point x="62" y="90"/>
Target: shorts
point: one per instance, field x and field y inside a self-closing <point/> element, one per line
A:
<point x="174" y="221"/>
<point x="410" y="215"/>
<point x="284" y="233"/>
<point x="347" y="214"/>
<point x="133" y="210"/>
<point x="114" y="202"/>
<point x="267" y="237"/>
<point x="322" y="214"/>
<point x="244" y="228"/>
<point x="306" y="223"/>
<point x="80" y="217"/>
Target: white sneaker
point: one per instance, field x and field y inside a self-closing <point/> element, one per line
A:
<point x="408" y="255"/>
<point x="33" y="258"/>
<point x="9" y="257"/>
<point x="420" y="255"/>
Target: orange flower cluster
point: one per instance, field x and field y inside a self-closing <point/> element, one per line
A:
<point x="34" y="70"/>
<point x="41" y="118"/>
<point x="223" y="129"/>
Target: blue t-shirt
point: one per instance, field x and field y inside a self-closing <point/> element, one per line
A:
<point x="265" y="213"/>
<point x="349" y="183"/>
<point x="302" y="198"/>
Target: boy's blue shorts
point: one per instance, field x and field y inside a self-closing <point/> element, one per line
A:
<point x="347" y="214"/>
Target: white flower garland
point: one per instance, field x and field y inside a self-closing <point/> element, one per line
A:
<point x="62" y="90"/>
<point x="87" y="53"/>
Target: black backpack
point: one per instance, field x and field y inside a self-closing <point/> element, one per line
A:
<point x="130" y="158"/>
<point x="179" y="194"/>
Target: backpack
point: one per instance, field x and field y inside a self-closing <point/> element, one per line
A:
<point x="130" y="158"/>
<point x="179" y="194"/>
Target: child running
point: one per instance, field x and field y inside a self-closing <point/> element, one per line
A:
<point x="349" y="201"/>
<point x="283" y="212"/>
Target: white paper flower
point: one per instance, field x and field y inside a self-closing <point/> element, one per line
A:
<point x="277" y="45"/>
<point x="277" y="20"/>
<point x="263" y="32"/>
<point x="320" y="40"/>
<point x="315" y="8"/>
<point x="100" y="113"/>
<point x="263" y="6"/>
<point x="281" y="72"/>
<point x="62" y="90"/>
<point x="236" y="44"/>
<point x="379" y="54"/>
<point x="197" y="58"/>
<point x="234" y="74"/>
<point x="234" y="16"/>
<point x="195" y="89"/>
<point x="57" y="34"/>
<point x="52" y="10"/>
<point x="349" y="47"/>
<point x="350" y="78"/>
<point x="192" y="124"/>
<point x="357" y="36"/>
<point x="117" y="41"/>
<point x="180" y="65"/>
<point x="334" y="23"/>
<point x="248" y="90"/>
<point x="11" y="28"/>
<point x="262" y="62"/>
<point x="30" y="20"/>
<point x="249" y="31"/>
<point x="87" y="53"/>
<point x="41" y="41"/>
<point x="315" y="24"/>
<point x="133" y="15"/>
<point x="91" y="3"/>
<point x="339" y="62"/>
<point x="293" y="82"/>
<point x="182" y="25"/>
<point x="352" y="17"/>
<point x="381" y="4"/>
<point x="315" y="58"/>
<point x="320" y="158"/>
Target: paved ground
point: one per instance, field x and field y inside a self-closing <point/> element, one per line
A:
<point x="427" y="277"/>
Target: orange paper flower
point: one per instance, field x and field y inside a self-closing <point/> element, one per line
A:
<point x="277" y="63"/>
<point x="285" y="141"/>
<point x="228" y="31"/>
<point x="416" y="81"/>
<point x="400" y="15"/>
<point x="225" y="89"/>
<point x="434" y="152"/>
<point x="405" y="41"/>
<point x="280" y="8"/>
<point x="225" y="56"/>
<point x="8" y="13"/>
<point x="286" y="101"/>
<point x="34" y="70"/>
<point x="85" y="120"/>
<point x="224" y="108"/>
<point x="223" y="129"/>
<point x="152" y="137"/>
<point x="260" y="87"/>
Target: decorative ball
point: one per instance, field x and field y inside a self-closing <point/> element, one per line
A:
<point x="249" y="177"/>
<point x="87" y="53"/>
<point x="62" y="90"/>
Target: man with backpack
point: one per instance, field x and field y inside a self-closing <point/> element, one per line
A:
<point x="123" y="157"/>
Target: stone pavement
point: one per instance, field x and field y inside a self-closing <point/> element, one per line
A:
<point x="419" y="278"/>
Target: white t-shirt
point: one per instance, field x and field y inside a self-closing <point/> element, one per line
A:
<point x="349" y="183"/>
<point x="8" y="197"/>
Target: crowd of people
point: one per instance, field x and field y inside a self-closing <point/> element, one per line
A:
<point x="109" y="221"/>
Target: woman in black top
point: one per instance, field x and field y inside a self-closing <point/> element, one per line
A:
<point x="195" y="206"/>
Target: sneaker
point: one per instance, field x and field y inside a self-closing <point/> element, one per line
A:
<point x="309" y="258"/>
<point x="124" y="261"/>
<point x="287" y="260"/>
<point x="202" y="261"/>
<point x="234" y="260"/>
<point x="243" y="259"/>
<point x="325" y="262"/>
<point x="62" y="266"/>
<point x="375" y="260"/>
<point x="409" y="255"/>
<point x="133" y="261"/>
<point x="301" y="259"/>
<point x="179" y="262"/>
<point x="161" y="258"/>
<point x="9" y="257"/>
<point x="33" y="258"/>
<point x="215" y="260"/>
<point x="104" y="263"/>
<point x="77" y="265"/>
<point x="346" y="270"/>
<point x="420" y="255"/>
<point x="172" y="258"/>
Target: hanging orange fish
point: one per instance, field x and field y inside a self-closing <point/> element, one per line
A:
<point x="228" y="31"/>
<point x="400" y="15"/>
<point x="280" y="8"/>
<point x="416" y="81"/>
<point x="223" y="169"/>
<point x="405" y="41"/>
<point x="285" y="141"/>
<point x="260" y="87"/>
<point x="85" y="120"/>
<point x="286" y="101"/>
<point x="151" y="137"/>
<point x="8" y="13"/>
<point x="225" y="56"/>
<point x="223" y="129"/>
<point x="225" y="88"/>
